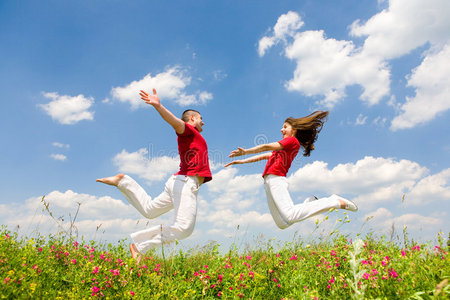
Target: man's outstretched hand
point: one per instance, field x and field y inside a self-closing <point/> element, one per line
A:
<point x="150" y="99"/>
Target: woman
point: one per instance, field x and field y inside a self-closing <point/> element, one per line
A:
<point x="300" y="132"/>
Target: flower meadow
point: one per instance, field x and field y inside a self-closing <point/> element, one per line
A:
<point x="59" y="268"/>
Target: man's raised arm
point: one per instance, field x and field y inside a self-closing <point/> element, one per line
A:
<point x="153" y="100"/>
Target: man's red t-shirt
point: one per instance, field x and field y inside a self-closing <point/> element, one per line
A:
<point x="280" y="161"/>
<point x="193" y="153"/>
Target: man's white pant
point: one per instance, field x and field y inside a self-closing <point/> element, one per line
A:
<point x="283" y="210"/>
<point x="180" y="193"/>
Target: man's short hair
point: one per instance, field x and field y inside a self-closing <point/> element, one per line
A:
<point x="187" y="114"/>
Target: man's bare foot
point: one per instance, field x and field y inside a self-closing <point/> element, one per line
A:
<point x="135" y="253"/>
<point x="113" y="180"/>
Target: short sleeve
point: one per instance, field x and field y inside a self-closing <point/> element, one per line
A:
<point x="289" y="143"/>
<point x="188" y="130"/>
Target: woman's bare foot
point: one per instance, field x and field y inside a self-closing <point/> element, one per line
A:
<point x="347" y="204"/>
<point x="135" y="253"/>
<point x="113" y="180"/>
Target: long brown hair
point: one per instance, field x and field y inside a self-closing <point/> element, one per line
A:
<point x="307" y="129"/>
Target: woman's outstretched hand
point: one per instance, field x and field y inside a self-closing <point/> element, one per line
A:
<point x="150" y="99"/>
<point x="236" y="162"/>
<point x="240" y="151"/>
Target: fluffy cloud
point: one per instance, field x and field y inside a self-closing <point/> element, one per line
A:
<point x="430" y="189"/>
<point x="432" y="83"/>
<point x="60" y="157"/>
<point x="67" y="109"/>
<point x="170" y="85"/>
<point x="385" y="221"/>
<point x="326" y="67"/>
<point x="367" y="174"/>
<point x="403" y="26"/>
<point x="138" y="163"/>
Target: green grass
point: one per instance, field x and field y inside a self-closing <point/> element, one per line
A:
<point x="58" y="267"/>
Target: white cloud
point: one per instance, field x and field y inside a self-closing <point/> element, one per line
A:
<point x="326" y="67"/>
<point x="287" y="25"/>
<point x="404" y="26"/>
<point x="430" y="189"/>
<point x="60" y="145"/>
<point x="67" y="109"/>
<point x="432" y="82"/>
<point x="138" y="163"/>
<point x="361" y="120"/>
<point x="170" y="85"/>
<point x="385" y="220"/>
<point x="367" y="174"/>
<point x="60" y="157"/>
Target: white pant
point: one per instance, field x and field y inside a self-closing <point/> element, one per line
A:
<point x="180" y="193"/>
<point x="283" y="210"/>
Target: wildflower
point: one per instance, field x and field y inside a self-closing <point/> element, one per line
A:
<point x="279" y="285"/>
<point x="94" y="290"/>
<point x="278" y="255"/>
<point x="6" y="280"/>
<point x="115" y="272"/>
<point x="393" y="273"/>
<point x="75" y="244"/>
<point x="227" y="266"/>
<point x="374" y="272"/>
<point x="195" y="273"/>
<point x="366" y="276"/>
<point x="74" y="261"/>
<point x="328" y="286"/>
<point x="212" y="286"/>
<point x="219" y="294"/>
<point x="230" y="288"/>
<point x="403" y="253"/>
<point x="294" y="257"/>
<point x="95" y="271"/>
<point x="331" y="280"/>
<point x="220" y="278"/>
<point x="275" y="280"/>
<point x="39" y="249"/>
<point x="416" y="247"/>
<point x="333" y="253"/>
<point x="132" y="293"/>
<point x="248" y="257"/>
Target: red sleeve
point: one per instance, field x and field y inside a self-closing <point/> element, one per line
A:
<point x="188" y="130"/>
<point x="289" y="143"/>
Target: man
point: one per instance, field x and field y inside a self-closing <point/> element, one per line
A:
<point x="180" y="192"/>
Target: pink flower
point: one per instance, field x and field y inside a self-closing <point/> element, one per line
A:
<point x="132" y="293"/>
<point x="294" y="257"/>
<point x="279" y="285"/>
<point x="366" y="276"/>
<point x="94" y="290"/>
<point x="213" y="286"/>
<point x="219" y="294"/>
<point x="248" y="257"/>
<point x="6" y="280"/>
<point x="328" y="286"/>
<point x="393" y="273"/>
<point x="74" y="261"/>
<point x="75" y="244"/>
<point x="220" y="276"/>
<point x="39" y="249"/>
<point x="374" y="272"/>
<point x="115" y="272"/>
<point x="95" y="271"/>
<point x="403" y="253"/>
<point x="333" y="253"/>
<point x="227" y="266"/>
<point x="278" y="255"/>
<point x="416" y="247"/>
<point x="195" y="273"/>
<point x="275" y="280"/>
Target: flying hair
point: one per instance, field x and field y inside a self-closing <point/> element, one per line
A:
<point x="308" y="128"/>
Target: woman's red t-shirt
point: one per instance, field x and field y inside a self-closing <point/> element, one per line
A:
<point x="193" y="152"/>
<point x="280" y="161"/>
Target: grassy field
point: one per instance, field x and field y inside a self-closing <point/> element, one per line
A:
<point x="60" y="267"/>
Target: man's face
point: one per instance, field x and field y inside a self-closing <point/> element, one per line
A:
<point x="198" y="121"/>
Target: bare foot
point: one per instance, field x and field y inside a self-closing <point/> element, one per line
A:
<point x="113" y="180"/>
<point x="135" y="253"/>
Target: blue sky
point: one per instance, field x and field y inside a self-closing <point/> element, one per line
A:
<point x="71" y="113"/>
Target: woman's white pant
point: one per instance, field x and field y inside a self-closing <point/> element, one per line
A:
<point x="283" y="210"/>
<point x="180" y="193"/>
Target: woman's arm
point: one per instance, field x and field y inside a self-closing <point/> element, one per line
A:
<point x="257" y="149"/>
<point x="250" y="159"/>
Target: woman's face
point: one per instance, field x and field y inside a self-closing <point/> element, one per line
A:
<point x="287" y="130"/>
